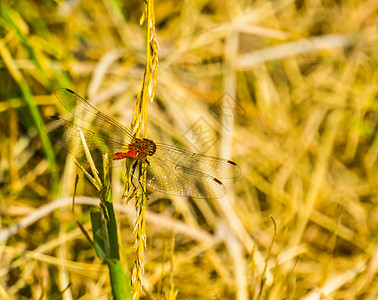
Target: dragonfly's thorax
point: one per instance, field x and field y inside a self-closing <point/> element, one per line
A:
<point x="138" y="149"/>
<point x="143" y="147"/>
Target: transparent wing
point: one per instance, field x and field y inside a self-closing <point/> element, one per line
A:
<point x="84" y="111"/>
<point x="210" y="165"/>
<point x="68" y="136"/>
<point x="167" y="177"/>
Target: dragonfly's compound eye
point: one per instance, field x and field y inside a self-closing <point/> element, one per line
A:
<point x="151" y="148"/>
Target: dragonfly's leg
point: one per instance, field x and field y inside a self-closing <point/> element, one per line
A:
<point x="132" y="175"/>
<point x="147" y="162"/>
<point x="141" y="172"/>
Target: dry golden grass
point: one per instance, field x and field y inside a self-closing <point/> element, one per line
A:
<point x="298" y="114"/>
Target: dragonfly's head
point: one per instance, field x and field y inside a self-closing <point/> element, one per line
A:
<point x="150" y="146"/>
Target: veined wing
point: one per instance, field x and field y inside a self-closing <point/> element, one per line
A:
<point x="69" y="136"/>
<point x="167" y="177"/>
<point x="210" y="165"/>
<point x="84" y="111"/>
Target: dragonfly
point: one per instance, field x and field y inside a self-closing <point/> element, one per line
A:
<point x="168" y="169"/>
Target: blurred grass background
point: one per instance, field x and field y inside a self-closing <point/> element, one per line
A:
<point x="303" y="75"/>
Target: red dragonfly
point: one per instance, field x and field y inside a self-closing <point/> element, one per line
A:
<point x="169" y="169"/>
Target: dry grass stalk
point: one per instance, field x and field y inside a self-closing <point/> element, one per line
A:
<point x="140" y="114"/>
